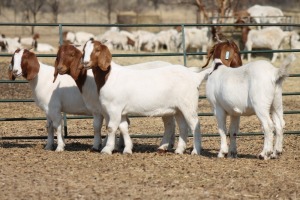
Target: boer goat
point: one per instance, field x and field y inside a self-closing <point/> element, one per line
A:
<point x="52" y="98"/>
<point x="270" y="37"/>
<point x="254" y="88"/>
<point x="194" y="38"/>
<point x="29" y="41"/>
<point x="165" y="91"/>
<point x="68" y="61"/>
<point x="228" y="52"/>
<point x="265" y="14"/>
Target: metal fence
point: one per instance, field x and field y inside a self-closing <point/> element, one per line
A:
<point x="184" y="54"/>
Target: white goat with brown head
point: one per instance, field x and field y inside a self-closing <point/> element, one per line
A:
<point x="68" y="61"/>
<point x="252" y="89"/>
<point x="52" y="98"/>
<point x="165" y="91"/>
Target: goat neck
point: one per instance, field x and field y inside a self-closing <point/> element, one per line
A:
<point x="98" y="56"/>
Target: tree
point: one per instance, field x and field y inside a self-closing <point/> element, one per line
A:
<point x="54" y="6"/>
<point x="31" y="8"/>
<point x="201" y="8"/>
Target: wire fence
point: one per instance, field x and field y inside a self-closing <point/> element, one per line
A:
<point x="184" y="54"/>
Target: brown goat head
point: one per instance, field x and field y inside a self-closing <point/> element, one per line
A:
<point x="68" y="61"/>
<point x="228" y="52"/>
<point x="29" y="64"/>
<point x="101" y="56"/>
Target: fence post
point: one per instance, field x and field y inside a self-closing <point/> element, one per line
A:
<point x="183" y="45"/>
<point x="64" y="115"/>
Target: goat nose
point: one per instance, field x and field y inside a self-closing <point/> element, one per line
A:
<point x="85" y="62"/>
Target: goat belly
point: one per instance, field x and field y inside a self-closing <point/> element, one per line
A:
<point x="236" y="111"/>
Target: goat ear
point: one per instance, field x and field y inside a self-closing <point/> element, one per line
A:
<point x="10" y="73"/>
<point x="209" y="55"/>
<point x="30" y="65"/>
<point x="55" y="70"/>
<point x="104" y="58"/>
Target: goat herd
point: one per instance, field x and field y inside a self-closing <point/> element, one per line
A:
<point x="88" y="82"/>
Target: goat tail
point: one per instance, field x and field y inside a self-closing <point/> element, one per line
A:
<point x="283" y="70"/>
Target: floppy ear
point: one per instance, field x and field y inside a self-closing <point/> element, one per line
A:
<point x="10" y="73"/>
<point x="209" y="55"/>
<point x="56" y="64"/>
<point x="30" y="65"/>
<point x="10" y="70"/>
<point x="77" y="59"/>
<point x="104" y="58"/>
<point x="55" y="70"/>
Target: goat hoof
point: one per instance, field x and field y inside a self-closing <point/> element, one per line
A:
<point x="263" y="157"/>
<point x="106" y="151"/>
<point x="59" y="150"/>
<point x="222" y="155"/>
<point x="194" y="152"/>
<point x="178" y="151"/>
<point x="127" y="151"/>
<point x="276" y="154"/>
<point x="279" y="153"/>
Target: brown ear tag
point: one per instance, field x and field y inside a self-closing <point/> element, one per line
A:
<point x="227" y="54"/>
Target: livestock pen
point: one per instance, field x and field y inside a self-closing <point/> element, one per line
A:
<point x="183" y="54"/>
<point x="79" y="174"/>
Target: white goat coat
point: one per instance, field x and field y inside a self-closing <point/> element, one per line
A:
<point x="53" y="98"/>
<point x="270" y="37"/>
<point x="60" y="96"/>
<point x="44" y="47"/>
<point x="251" y="83"/>
<point x="166" y="91"/>
<point x="149" y="97"/>
<point x="91" y="100"/>
<point x="265" y="14"/>
<point x="254" y="88"/>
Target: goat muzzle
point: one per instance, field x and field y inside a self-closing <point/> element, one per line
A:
<point x="86" y="65"/>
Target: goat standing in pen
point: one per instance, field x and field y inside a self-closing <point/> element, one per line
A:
<point x="68" y="61"/>
<point x="270" y="38"/>
<point x="165" y="91"/>
<point x="52" y="98"/>
<point x="254" y="88"/>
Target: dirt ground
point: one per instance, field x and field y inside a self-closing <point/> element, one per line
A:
<point x="27" y="171"/>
